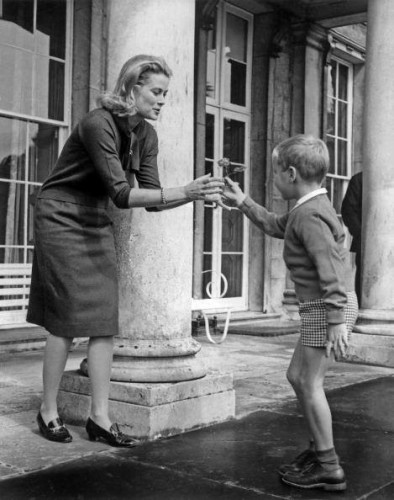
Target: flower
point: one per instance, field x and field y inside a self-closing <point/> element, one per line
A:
<point x="229" y="168"/>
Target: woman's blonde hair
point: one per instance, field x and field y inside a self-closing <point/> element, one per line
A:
<point x="135" y="71"/>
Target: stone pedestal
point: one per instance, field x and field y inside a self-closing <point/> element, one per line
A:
<point x="151" y="411"/>
<point x="373" y="338"/>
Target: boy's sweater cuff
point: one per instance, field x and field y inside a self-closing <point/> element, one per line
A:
<point x="246" y="204"/>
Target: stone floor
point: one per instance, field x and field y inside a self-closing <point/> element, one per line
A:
<point x="233" y="460"/>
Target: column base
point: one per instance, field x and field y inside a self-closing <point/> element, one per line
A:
<point x="154" y="370"/>
<point x="151" y="411"/>
<point x="373" y="338"/>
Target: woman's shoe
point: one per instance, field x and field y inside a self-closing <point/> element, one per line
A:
<point x="55" y="430"/>
<point x="301" y="461"/>
<point x="114" y="436"/>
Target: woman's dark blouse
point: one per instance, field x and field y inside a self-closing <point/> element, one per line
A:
<point x="96" y="158"/>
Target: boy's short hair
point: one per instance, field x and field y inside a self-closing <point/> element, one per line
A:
<point x="307" y="154"/>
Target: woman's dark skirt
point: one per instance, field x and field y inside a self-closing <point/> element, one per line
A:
<point x="74" y="289"/>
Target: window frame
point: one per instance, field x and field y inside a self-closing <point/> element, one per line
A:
<point x="220" y="109"/>
<point x="335" y="176"/>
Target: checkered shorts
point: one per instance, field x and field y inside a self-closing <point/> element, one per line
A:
<point x="314" y="321"/>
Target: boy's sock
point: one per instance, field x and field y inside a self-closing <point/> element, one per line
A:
<point x="328" y="459"/>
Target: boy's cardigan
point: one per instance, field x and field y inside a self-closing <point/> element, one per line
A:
<point x="314" y="251"/>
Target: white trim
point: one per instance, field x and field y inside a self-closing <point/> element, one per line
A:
<point x="222" y="110"/>
<point x="349" y="131"/>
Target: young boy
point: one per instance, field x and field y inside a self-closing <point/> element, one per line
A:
<point x="316" y="258"/>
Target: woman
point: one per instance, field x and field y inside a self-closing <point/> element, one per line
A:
<point x="74" y="290"/>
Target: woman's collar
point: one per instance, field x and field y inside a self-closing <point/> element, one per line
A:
<point x="128" y="123"/>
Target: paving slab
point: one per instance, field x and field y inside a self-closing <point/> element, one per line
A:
<point x="236" y="459"/>
<point x="233" y="460"/>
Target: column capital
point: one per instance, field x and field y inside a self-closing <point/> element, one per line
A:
<point x="309" y="34"/>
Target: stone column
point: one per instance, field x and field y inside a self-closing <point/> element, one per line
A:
<point x="374" y="338"/>
<point x="155" y="249"/>
<point x="160" y="386"/>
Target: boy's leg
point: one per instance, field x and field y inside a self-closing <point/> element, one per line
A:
<point x="306" y="373"/>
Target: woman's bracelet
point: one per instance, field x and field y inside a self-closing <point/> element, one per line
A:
<point x="163" y="198"/>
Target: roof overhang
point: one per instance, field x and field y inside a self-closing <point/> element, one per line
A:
<point x="328" y="13"/>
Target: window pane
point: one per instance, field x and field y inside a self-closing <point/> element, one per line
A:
<point x="56" y="91"/>
<point x="208" y="214"/>
<point x="342" y="81"/>
<point x="209" y="167"/>
<point x="232" y="270"/>
<point x="337" y="195"/>
<point x="235" y="54"/>
<point x="234" y="140"/>
<point x="51" y="22"/>
<point x="43" y="150"/>
<point x="332" y="74"/>
<point x="30" y="213"/>
<point x="236" y="38"/>
<point x="29" y="258"/>
<point x="211" y="63"/>
<point x="209" y="136"/>
<point x="16" y="80"/>
<point x="232" y="231"/>
<point x="342" y="157"/>
<point x="331" y="150"/>
<point x="342" y="119"/>
<point x="49" y="89"/>
<point x="207" y="276"/>
<point x="235" y="82"/>
<point x="18" y="12"/>
<point x="12" y="214"/>
<point x="12" y="148"/>
<point x="11" y="256"/>
<point x="330" y="116"/>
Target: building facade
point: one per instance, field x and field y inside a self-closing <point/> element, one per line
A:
<point x="247" y="74"/>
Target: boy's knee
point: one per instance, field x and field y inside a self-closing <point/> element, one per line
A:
<point x="293" y="378"/>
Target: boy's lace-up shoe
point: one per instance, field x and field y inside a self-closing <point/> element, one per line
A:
<point x="301" y="461"/>
<point x="315" y="476"/>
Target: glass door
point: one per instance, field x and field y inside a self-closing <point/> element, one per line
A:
<point x="225" y="248"/>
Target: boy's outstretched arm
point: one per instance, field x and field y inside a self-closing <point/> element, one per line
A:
<point x="272" y="224"/>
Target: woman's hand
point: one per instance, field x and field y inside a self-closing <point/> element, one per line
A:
<point x="233" y="193"/>
<point x="204" y="187"/>
<point x="336" y="340"/>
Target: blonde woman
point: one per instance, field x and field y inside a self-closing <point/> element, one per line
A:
<point x="74" y="289"/>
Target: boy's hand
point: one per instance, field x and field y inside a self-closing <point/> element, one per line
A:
<point x="216" y="198"/>
<point x="233" y="193"/>
<point x="336" y="340"/>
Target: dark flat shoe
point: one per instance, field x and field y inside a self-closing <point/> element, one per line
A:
<point x="315" y="476"/>
<point x="114" y="436"/>
<point x="301" y="461"/>
<point x="55" y="430"/>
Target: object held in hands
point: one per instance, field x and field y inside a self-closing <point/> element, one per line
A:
<point x="229" y="169"/>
